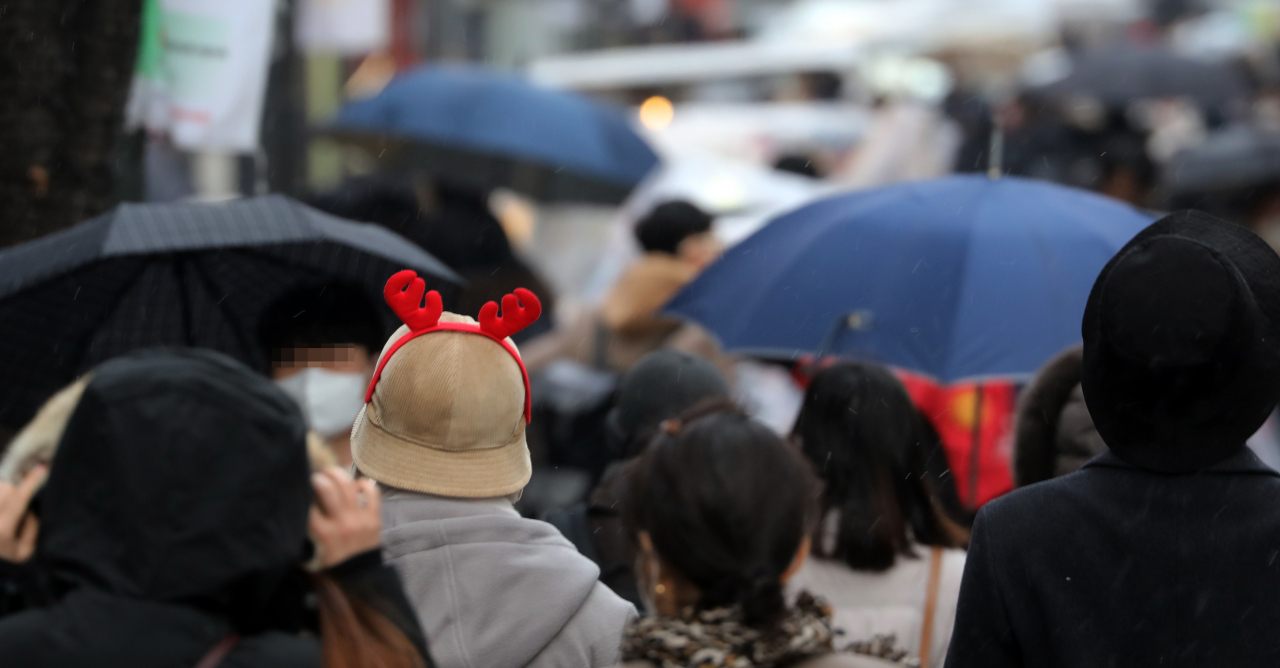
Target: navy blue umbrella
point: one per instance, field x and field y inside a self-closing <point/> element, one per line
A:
<point x="957" y="278"/>
<point x="483" y="129"/>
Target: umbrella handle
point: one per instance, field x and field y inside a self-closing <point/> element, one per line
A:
<point x="854" y="321"/>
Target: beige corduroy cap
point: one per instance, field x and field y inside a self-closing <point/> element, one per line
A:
<point x="446" y="417"/>
<point x="448" y="403"/>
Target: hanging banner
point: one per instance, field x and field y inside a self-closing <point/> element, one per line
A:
<point x="202" y="72"/>
<point x="345" y="27"/>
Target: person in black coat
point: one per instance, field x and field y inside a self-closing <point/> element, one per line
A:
<point x="1164" y="550"/>
<point x="661" y="386"/>
<point x="173" y="527"/>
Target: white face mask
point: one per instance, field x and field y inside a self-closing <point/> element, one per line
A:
<point x="330" y="400"/>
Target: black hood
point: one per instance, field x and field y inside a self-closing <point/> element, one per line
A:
<point x="180" y="473"/>
<point x="1182" y="343"/>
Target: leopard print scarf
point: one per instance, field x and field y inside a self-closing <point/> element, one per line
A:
<point x="718" y="638"/>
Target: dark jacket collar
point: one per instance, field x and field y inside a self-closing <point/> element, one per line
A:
<point x="1243" y="461"/>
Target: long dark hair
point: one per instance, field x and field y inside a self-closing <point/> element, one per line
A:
<point x="867" y="442"/>
<point x="727" y="505"/>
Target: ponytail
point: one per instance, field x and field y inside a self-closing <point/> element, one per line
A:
<point x="763" y="602"/>
<point x="355" y="635"/>
<point x="698" y="492"/>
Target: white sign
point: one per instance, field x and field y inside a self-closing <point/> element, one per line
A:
<point x="202" y="72"/>
<point x="347" y="27"/>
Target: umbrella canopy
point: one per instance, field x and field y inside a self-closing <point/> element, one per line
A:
<point x="1119" y="76"/>
<point x="957" y="278"/>
<point x="482" y="129"/>
<point x="176" y="274"/>
<point x="1233" y="159"/>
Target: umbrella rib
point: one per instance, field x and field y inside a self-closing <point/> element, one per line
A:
<point x="184" y="302"/>
<point x="82" y="348"/>
<point x="210" y="289"/>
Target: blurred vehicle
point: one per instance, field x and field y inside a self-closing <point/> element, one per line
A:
<point x="760" y="132"/>
<point x="640" y="67"/>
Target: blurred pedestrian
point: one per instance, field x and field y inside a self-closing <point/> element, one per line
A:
<point x="661" y="386"/>
<point x="321" y="339"/>
<point x="173" y="525"/>
<point x="576" y="369"/>
<point x="678" y="244"/>
<point x="1127" y="171"/>
<point x="885" y="554"/>
<point x="1053" y="433"/>
<point x="443" y="433"/>
<point x="715" y="552"/>
<point x="454" y="224"/>
<point x="1162" y="550"/>
<point x="461" y="230"/>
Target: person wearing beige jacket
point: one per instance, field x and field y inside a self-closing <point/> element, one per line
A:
<point x="443" y="433"/>
<point x="678" y="245"/>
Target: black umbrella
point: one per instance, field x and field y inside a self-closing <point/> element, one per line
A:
<point x="1119" y="76"/>
<point x="1235" y="159"/>
<point x="176" y="274"/>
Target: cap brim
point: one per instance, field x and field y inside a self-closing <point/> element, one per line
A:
<point x="481" y="473"/>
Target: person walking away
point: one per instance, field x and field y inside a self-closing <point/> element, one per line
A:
<point x="172" y="527"/>
<point x="661" y="386"/>
<point x="321" y="339"/>
<point x="576" y="369"/>
<point x="678" y="244"/>
<point x="715" y="553"/>
<point x="456" y="225"/>
<point x="1053" y="432"/>
<point x="885" y="555"/>
<point x="1162" y="550"/>
<point x="443" y="433"/>
<point x="462" y="232"/>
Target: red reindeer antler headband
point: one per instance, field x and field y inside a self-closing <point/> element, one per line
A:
<point x="404" y="292"/>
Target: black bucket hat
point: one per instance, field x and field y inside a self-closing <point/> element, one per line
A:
<point x="1181" y="355"/>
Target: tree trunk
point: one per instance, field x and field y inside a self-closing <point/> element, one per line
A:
<point x="65" y="74"/>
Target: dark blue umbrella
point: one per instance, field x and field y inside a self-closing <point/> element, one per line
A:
<point x="483" y="129"/>
<point x="957" y="278"/>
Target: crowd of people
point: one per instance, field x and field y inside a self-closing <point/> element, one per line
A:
<point x="360" y="504"/>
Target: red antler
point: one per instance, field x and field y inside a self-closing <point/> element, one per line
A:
<point x="519" y="310"/>
<point x="404" y="294"/>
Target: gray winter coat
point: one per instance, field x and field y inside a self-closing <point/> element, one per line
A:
<point x="495" y="590"/>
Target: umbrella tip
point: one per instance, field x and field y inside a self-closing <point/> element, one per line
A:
<point x="995" y="151"/>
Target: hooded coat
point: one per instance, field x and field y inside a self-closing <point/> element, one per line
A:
<point x="174" y="517"/>
<point x="1164" y="550"/>
<point x="493" y="589"/>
